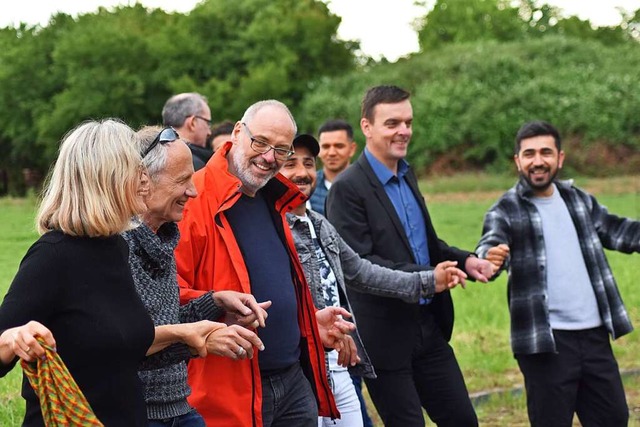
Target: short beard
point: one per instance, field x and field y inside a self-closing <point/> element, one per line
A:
<point x="540" y="187"/>
<point x="248" y="180"/>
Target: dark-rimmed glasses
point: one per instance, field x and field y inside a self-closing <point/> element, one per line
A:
<point x="165" y="136"/>
<point x="262" y="147"/>
<point x="202" y="118"/>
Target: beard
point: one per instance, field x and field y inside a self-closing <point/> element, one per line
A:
<point x="305" y="181"/>
<point x="540" y="185"/>
<point x="242" y="168"/>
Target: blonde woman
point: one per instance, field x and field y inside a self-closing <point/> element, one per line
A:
<point x="74" y="288"/>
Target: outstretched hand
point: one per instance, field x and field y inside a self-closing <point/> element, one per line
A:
<point x="447" y="276"/>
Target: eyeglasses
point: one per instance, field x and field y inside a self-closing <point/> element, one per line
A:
<point x="202" y="118"/>
<point x="263" y="147"/>
<point x="165" y="136"/>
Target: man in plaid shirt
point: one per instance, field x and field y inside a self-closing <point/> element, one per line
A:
<point x="563" y="299"/>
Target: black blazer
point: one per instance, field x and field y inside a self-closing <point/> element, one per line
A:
<point x="363" y="214"/>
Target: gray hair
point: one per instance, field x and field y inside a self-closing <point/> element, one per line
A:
<point x="250" y="113"/>
<point x="156" y="160"/>
<point x="180" y="106"/>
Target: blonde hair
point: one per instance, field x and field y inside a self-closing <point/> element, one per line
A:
<point x="91" y="190"/>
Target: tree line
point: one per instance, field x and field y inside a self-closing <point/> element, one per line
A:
<point x="484" y="66"/>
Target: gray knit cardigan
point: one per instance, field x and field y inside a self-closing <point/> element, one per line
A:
<point x="154" y="273"/>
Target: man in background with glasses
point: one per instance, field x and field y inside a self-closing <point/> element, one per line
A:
<point x="190" y="116"/>
<point x="234" y="236"/>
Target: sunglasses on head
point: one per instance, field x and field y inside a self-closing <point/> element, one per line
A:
<point x="165" y="136"/>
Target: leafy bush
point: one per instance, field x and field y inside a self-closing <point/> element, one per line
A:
<point x="470" y="99"/>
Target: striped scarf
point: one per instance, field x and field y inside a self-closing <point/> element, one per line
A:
<point x="61" y="401"/>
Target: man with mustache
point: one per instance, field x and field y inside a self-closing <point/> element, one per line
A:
<point x="234" y="236"/>
<point x="563" y="299"/>
<point x="331" y="266"/>
<point x="377" y="208"/>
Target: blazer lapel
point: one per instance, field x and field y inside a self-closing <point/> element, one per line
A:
<point x="381" y="196"/>
<point x="432" y="238"/>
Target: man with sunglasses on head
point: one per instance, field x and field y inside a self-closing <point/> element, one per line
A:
<point x="190" y="116"/>
<point x="234" y="236"/>
<point x="167" y="163"/>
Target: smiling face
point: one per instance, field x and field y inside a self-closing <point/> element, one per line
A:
<point x="336" y="150"/>
<point x="300" y="169"/>
<point x="270" y="124"/>
<point x="389" y="133"/>
<point x="171" y="188"/>
<point x="538" y="162"/>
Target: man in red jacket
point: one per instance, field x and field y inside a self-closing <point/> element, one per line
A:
<point x="234" y="236"/>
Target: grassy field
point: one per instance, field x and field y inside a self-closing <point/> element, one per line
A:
<point x="481" y="334"/>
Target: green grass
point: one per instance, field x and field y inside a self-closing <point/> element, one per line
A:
<point x="481" y="334"/>
<point x="510" y="409"/>
<point x="18" y="233"/>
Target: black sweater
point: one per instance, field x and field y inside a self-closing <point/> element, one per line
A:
<point x="81" y="289"/>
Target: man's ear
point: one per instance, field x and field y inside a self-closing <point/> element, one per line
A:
<point x="353" y="149"/>
<point x="235" y="133"/>
<point x="365" y="125"/>
<point x="516" y="159"/>
<point x="145" y="184"/>
<point x="190" y="123"/>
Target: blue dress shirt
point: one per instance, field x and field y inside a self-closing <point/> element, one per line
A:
<point x="406" y="205"/>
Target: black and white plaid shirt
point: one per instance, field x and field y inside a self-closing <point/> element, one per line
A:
<point x="515" y="221"/>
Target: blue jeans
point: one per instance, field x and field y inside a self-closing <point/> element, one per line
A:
<point x="287" y="399"/>
<point x="190" y="419"/>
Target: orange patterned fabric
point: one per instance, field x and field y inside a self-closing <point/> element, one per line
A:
<point x="61" y="401"/>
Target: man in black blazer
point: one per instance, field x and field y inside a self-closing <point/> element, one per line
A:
<point x="378" y="210"/>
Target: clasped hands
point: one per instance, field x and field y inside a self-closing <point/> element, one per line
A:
<point x="233" y="338"/>
<point x="497" y="256"/>
<point x="335" y="333"/>
<point x="448" y="276"/>
<point x="243" y="311"/>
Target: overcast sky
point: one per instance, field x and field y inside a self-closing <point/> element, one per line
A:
<point x="382" y="26"/>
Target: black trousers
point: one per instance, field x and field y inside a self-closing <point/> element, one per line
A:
<point x="429" y="379"/>
<point x="582" y="377"/>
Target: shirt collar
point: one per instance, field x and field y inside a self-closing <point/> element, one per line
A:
<point x="382" y="172"/>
